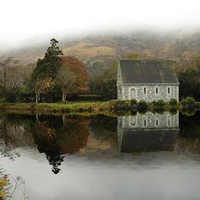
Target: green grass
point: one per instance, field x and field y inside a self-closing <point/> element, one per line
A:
<point x="69" y="107"/>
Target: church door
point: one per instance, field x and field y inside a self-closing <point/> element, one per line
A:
<point x="132" y="94"/>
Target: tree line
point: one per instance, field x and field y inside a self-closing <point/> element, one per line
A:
<point x="188" y="73"/>
<point x="52" y="75"/>
<point x="57" y="75"/>
<point x="189" y="76"/>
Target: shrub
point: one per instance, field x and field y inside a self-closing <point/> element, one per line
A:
<point x="4" y="185"/>
<point x="120" y="104"/>
<point x="160" y="111"/>
<point x="183" y="102"/>
<point x="142" y="105"/>
<point x="133" y="102"/>
<point x="159" y="103"/>
<point x="90" y="109"/>
<point x="190" y="101"/>
<point x="11" y="97"/>
<point x="188" y="113"/>
<point x="173" y="102"/>
<point x="173" y="111"/>
<point x="2" y="100"/>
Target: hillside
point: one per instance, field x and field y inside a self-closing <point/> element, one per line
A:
<point x="100" y="50"/>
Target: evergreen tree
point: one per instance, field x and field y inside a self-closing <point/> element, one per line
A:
<point x="50" y="64"/>
<point x="46" y="70"/>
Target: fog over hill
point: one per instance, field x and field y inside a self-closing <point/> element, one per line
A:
<point x="100" y="50"/>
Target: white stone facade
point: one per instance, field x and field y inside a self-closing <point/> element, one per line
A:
<point x="148" y="92"/>
<point x="136" y="81"/>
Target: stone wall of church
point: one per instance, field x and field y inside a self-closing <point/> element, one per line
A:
<point x="149" y="92"/>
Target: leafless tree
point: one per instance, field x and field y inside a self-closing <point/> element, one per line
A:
<point x="6" y="79"/>
<point x="42" y="85"/>
<point x="66" y="80"/>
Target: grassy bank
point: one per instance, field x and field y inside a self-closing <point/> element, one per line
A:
<point x="59" y="108"/>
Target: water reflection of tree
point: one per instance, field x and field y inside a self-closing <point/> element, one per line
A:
<point x="56" y="136"/>
<point x="13" y="134"/>
<point x="46" y="139"/>
<point x="74" y="134"/>
<point x="189" y="139"/>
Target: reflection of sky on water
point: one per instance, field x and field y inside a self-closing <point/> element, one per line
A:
<point x="150" y="176"/>
<point x="98" y="171"/>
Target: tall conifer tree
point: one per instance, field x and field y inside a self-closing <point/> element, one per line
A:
<point x="50" y="64"/>
<point x="47" y="69"/>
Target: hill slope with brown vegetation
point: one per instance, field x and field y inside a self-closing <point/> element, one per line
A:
<point x="101" y="50"/>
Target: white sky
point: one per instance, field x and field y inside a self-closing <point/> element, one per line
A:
<point x="28" y="20"/>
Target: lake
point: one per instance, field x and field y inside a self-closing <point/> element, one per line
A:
<point x="145" y="156"/>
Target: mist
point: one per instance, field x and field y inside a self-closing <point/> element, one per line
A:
<point x="34" y="22"/>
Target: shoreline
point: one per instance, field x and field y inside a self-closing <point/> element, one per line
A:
<point x="88" y="108"/>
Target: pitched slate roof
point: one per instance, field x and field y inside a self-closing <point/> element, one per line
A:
<point x="147" y="71"/>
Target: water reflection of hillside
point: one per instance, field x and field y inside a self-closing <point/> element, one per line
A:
<point x="15" y="133"/>
<point x="147" y="132"/>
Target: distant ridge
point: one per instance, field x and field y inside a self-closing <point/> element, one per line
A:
<point x="101" y="50"/>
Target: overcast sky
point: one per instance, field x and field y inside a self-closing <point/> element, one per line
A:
<point x="25" y="21"/>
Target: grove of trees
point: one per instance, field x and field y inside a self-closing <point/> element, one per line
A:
<point x="53" y="74"/>
<point x="189" y="76"/>
<point x="56" y="72"/>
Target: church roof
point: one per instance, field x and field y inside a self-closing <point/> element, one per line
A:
<point x="147" y="71"/>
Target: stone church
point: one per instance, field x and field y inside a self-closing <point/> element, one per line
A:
<point x="147" y="80"/>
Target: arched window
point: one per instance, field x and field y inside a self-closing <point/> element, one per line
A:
<point x="169" y="122"/>
<point x="145" y="90"/>
<point x="157" y="90"/>
<point x="168" y="90"/>
<point x="132" y="121"/>
<point x="157" y="122"/>
<point x="144" y="122"/>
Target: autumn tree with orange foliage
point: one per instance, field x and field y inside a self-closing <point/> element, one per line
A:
<point x="79" y="71"/>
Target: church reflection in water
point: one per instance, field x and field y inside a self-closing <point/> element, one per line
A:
<point x="147" y="132"/>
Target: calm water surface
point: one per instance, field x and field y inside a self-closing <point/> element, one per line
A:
<point x="145" y="156"/>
